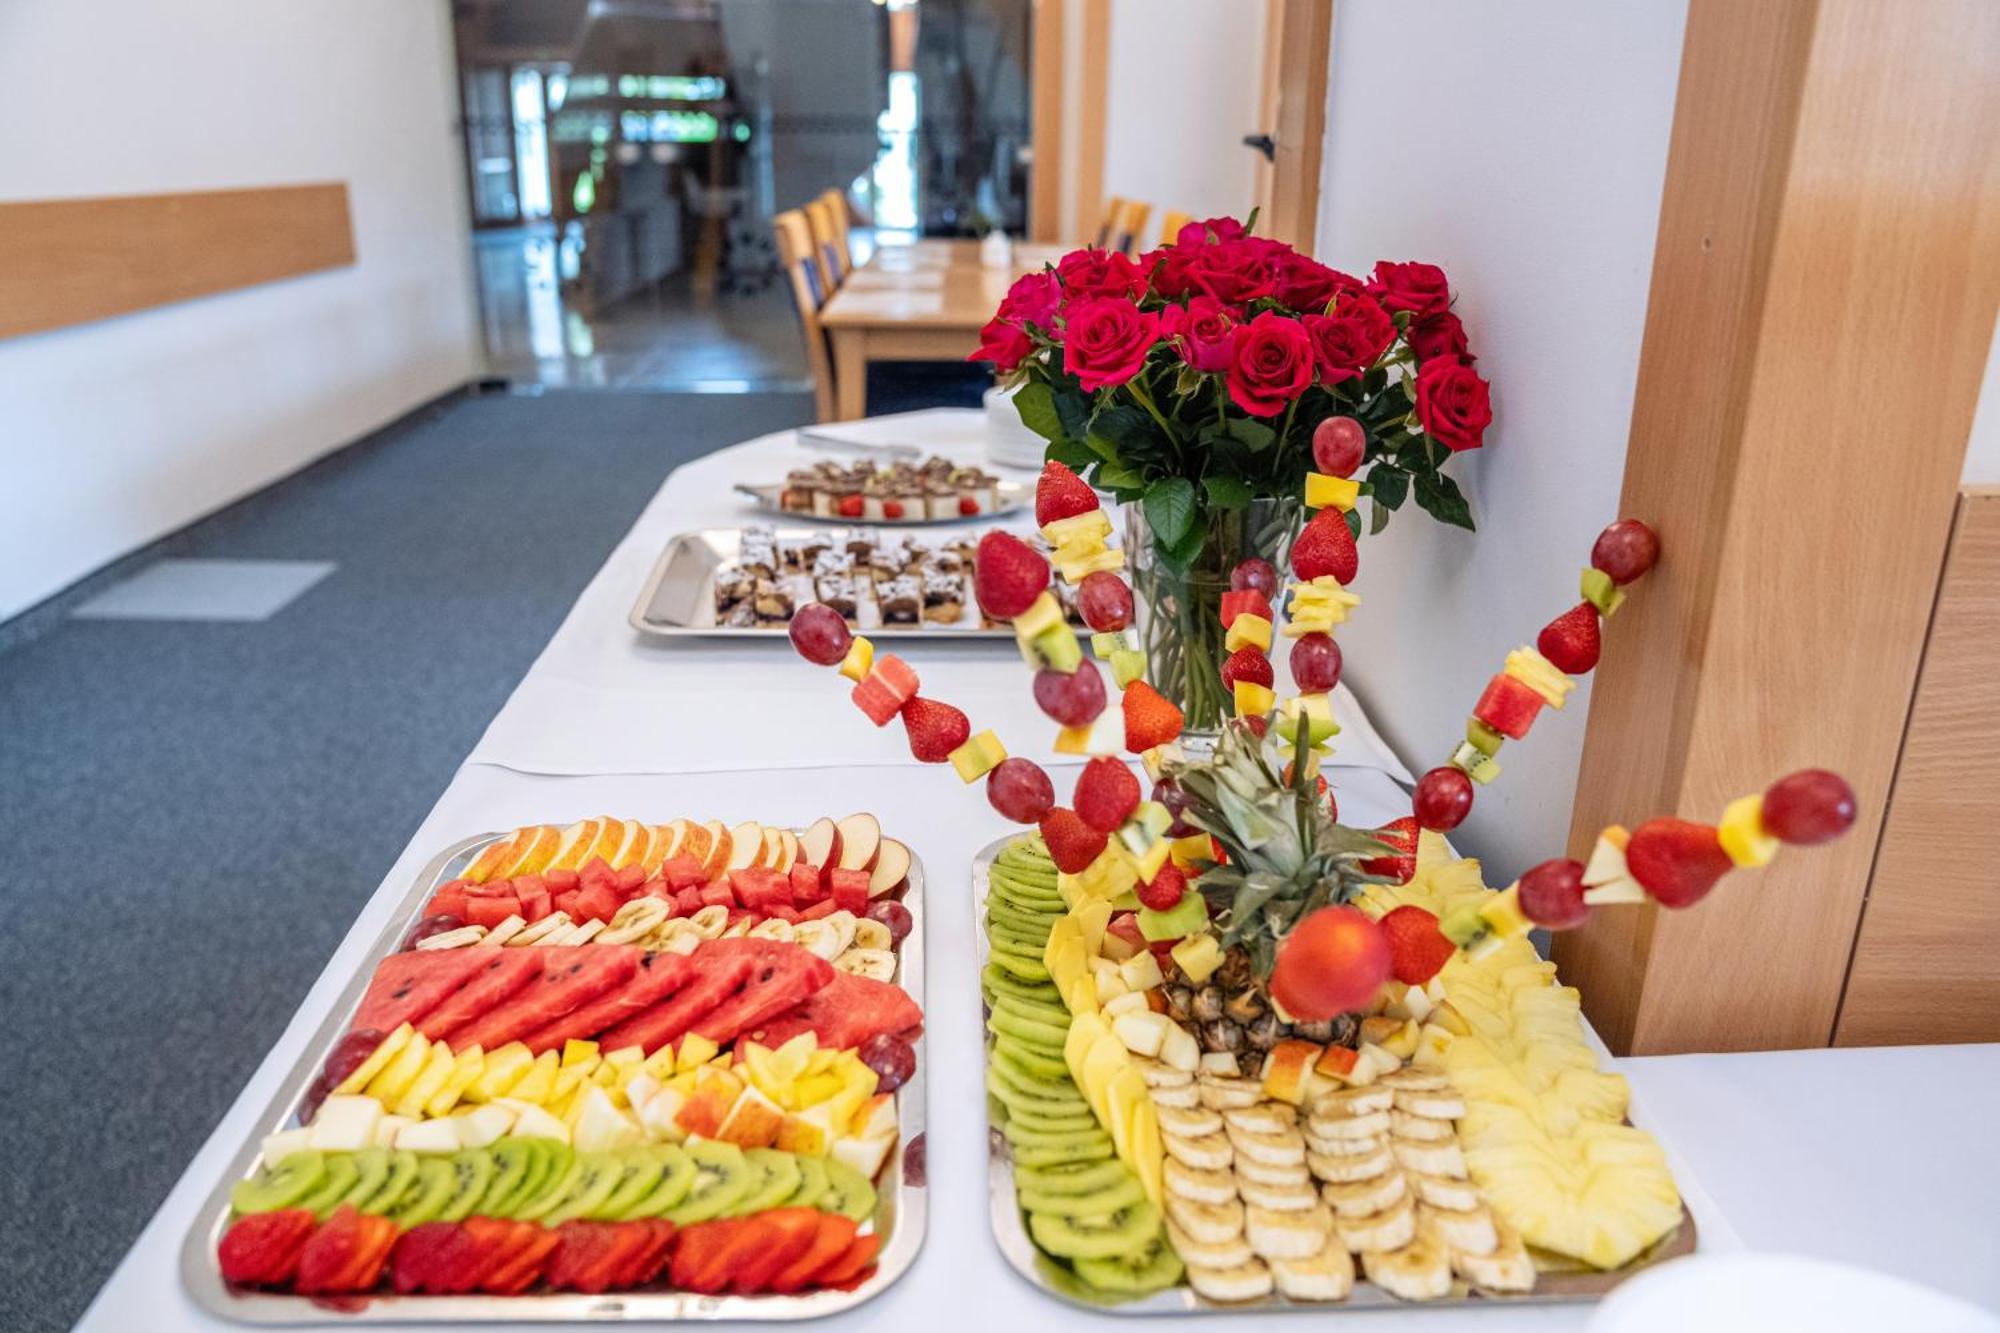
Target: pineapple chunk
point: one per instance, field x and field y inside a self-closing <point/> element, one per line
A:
<point x="1143" y="1032"/>
<point x="1742" y="834"/>
<point x="1141" y="971"/>
<point x="391" y="1046"/>
<point x="1198" y="956"/>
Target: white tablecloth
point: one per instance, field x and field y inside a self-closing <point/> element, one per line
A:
<point x="1811" y="1151"/>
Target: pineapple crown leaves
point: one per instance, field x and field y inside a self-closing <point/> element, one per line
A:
<point x="1287" y="858"/>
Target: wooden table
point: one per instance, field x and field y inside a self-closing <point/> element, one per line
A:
<point x="925" y="301"/>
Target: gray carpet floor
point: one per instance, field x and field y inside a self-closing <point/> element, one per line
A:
<point x="192" y="813"/>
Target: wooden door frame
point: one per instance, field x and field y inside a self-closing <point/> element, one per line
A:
<point x="1298" y="48"/>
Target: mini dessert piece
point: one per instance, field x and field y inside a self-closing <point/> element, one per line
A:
<point x="837" y="592"/>
<point x="900" y="599"/>
<point x="773" y="605"/>
<point x="797" y="495"/>
<point x="944" y="597"/>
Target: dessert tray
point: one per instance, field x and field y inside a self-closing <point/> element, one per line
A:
<point x="746" y="583"/>
<point x="892" y="493"/>
<point x="1216" y="1149"/>
<point x="608" y="1071"/>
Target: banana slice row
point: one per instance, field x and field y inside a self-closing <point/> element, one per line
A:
<point x="852" y="944"/>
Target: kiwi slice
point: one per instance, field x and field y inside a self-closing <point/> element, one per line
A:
<point x="557" y="1190"/>
<point x="1068" y="1148"/>
<point x="1071" y="1122"/>
<point x="848" y="1192"/>
<point x="402" y="1175"/>
<point x="1067" y="1102"/>
<point x="600" y="1174"/>
<point x="1149" y="1267"/>
<point x="1100" y="1236"/>
<point x="1032" y="875"/>
<point x="1027" y="969"/>
<point x="341" y="1173"/>
<point x="812" y="1183"/>
<point x="433" y="1189"/>
<point x="998" y="982"/>
<point x="295" y="1176"/>
<point x="775" y="1179"/>
<point x="678" y="1179"/>
<point x="548" y="1163"/>
<point x="1012" y="921"/>
<point x="472" y="1173"/>
<point x="642" y="1169"/>
<point x="1072" y="1181"/>
<point x="1040" y="1062"/>
<point x="725" y="1176"/>
<point x="1027" y="1136"/>
<point x="1033" y="1087"/>
<point x="1126" y="1192"/>
<point x="372" y="1164"/>
<point x="1034" y="1011"/>
<point x="1015" y="944"/>
<point x="512" y="1160"/>
<point x="1019" y="1031"/>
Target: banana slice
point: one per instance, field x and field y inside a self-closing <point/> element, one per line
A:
<point x="1290" y="1198"/>
<point x="1346" y="1170"/>
<point x="875" y="964"/>
<point x="584" y="932"/>
<point x="682" y="942"/>
<point x="1210" y="1152"/>
<point x="710" y="921"/>
<point x="1326" y="1276"/>
<point x="1403" y="1125"/>
<point x="1208" y="1223"/>
<point x="1365" y="1198"/>
<point x="818" y="939"/>
<point x="1507" y="1268"/>
<point x="1463" y="1230"/>
<point x="1286" y="1149"/>
<point x="1245" y="1282"/>
<point x="1390" y="1229"/>
<point x="736" y="930"/>
<point x="537" y="931"/>
<point x="1263" y="1118"/>
<point x="452" y="939"/>
<point x="844" y="924"/>
<point x="650" y="910"/>
<point x="1417" y="1270"/>
<point x="1353" y="1101"/>
<point x="1435" y="1105"/>
<point x="1264" y="1173"/>
<point x="1298" y="1234"/>
<point x="1409" y="1079"/>
<point x="1219" y="1254"/>
<point x="1197" y="1123"/>
<point x="1221" y="1093"/>
<point x="1435" y="1159"/>
<point x="1443" y="1191"/>
<point x="774" y="928"/>
<point x="1160" y="1075"/>
<point x="1356" y="1147"/>
<point x="1198" y="1185"/>
<point x="872" y="935"/>
<point x="1183" y="1098"/>
<point x="505" y="931"/>
<point x="1367" y="1125"/>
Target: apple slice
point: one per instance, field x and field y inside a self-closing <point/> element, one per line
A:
<point x="860" y="835"/>
<point x="788" y="849"/>
<point x="638" y="838"/>
<point x="610" y="837"/>
<point x="536" y="852"/>
<point x="717" y="858"/>
<point x="499" y="852"/>
<point x="773" y="848"/>
<point x="667" y="840"/>
<point x="746" y="844"/>
<point x="892" y="867"/>
<point x="577" y="839"/>
<point x="820" y="843"/>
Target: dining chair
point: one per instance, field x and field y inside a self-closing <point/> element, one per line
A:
<point x="827" y="243"/>
<point x="803" y="269"/>
<point x="1131" y="226"/>
<point x="1171" y="223"/>
<point x="1107" y="226"/>
<point x="843" y="225"/>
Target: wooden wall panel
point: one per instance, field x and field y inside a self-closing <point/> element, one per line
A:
<point x="69" y="261"/>
<point x="1925" y="963"/>
<point x="1824" y="287"/>
<point x="1046" y="176"/>
<point x="1301" y="52"/>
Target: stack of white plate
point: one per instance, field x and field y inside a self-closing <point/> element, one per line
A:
<point x="1008" y="442"/>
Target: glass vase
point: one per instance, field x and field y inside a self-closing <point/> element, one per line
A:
<point x="1180" y="611"/>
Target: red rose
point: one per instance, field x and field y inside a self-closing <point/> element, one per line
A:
<point x="1270" y="364"/>
<point x="1307" y="285"/>
<point x="1452" y="403"/>
<point x="1032" y="299"/>
<point x="1349" y="340"/>
<point x="1172" y="269"/>
<point x="1106" y="340"/>
<point x="1003" y="344"/>
<point x="1201" y="332"/>
<point x="1199" y="233"/>
<point x="1438" y="335"/>
<point x="1093" y="272"/>
<point x="1417" y="288"/>
<point x="1236" y="272"/>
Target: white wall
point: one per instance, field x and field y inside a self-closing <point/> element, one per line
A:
<point x="1982" y="451"/>
<point x="1521" y="147"/>
<point x="1181" y="91"/>
<point x="116" y="432"/>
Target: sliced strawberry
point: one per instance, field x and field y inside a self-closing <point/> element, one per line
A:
<point x="1060" y="493"/>
<point x="438" y="1258"/>
<point x="262" y="1249"/>
<point x="786" y="1233"/>
<point x="701" y="1255"/>
<point x="650" y="1258"/>
<point x="522" y="1265"/>
<point x="834" y="1233"/>
<point x="852" y="1265"/>
<point x="589" y="1256"/>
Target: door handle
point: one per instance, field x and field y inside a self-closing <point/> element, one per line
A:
<point x="1264" y="144"/>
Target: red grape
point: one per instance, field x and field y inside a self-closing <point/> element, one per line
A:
<point x="1246" y="663"/>
<point x="820" y="634"/>
<point x="1254" y="575"/>
<point x="1072" y="698"/>
<point x="317" y="1091"/>
<point x="892" y="1059"/>
<point x="1443" y="800"/>
<point x="1552" y="895"/>
<point x="1165" y="889"/>
<point x="1809" y="806"/>
<point x="1104" y="601"/>
<point x="1315" y="663"/>
<point x="1338" y="446"/>
<point x="1625" y="550"/>
<point x="1168" y="793"/>
<point x="893" y="915"/>
<point x="429" y="926"/>
<point x="349" y="1054"/>
<point x="1021" y="791"/>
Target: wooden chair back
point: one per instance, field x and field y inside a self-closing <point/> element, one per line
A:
<point x="1131" y="226"/>
<point x="843" y="226"/>
<point x="1107" y="226"/>
<point x="1171" y="223"/>
<point x="804" y="271"/>
<point x="828" y="243"/>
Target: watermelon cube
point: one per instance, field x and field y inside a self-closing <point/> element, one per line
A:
<point x="566" y="902"/>
<point x="1508" y="706"/>
<point x="717" y="894"/>
<point x="597" y="902"/>
<point x="596" y="870"/>
<point x="850" y="890"/>
<point x="1249" y="601"/>
<point x="806" y="885"/>
<point x="629" y="880"/>
<point x="889" y="684"/>
<point x="688" y="901"/>
<point x="562" y="881"/>
<point x="492" y="888"/>
<point x="489" y="910"/>
<point x="684" y="872"/>
<point x="446" y="901"/>
<point x="759" y="889"/>
<point x="824" y="907"/>
<point x="784" y="913"/>
<point x="534" y="895"/>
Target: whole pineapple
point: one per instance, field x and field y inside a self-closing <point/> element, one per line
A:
<point x="1286" y="858"/>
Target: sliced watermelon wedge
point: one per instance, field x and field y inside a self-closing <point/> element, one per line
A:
<point x="407" y="986"/>
<point x="572" y="976"/>
<point x="504" y="974"/>
<point x="715" y="980"/>
<point x="782" y="976"/>
<point x="659" y="976"/>
<point x="845" y="1012"/>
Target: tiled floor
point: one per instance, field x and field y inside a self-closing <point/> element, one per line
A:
<point x="176" y="589"/>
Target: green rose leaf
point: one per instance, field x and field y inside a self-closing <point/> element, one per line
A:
<point x="1254" y="435"/>
<point x="1073" y="411"/>
<point x="1227" y="492"/>
<point x="1118" y="477"/>
<point x="1121" y="425"/>
<point x="1170" y="510"/>
<point x="1071" y="453"/>
<point x="1036" y="403"/>
<point x="1438" y="496"/>
<point x="1353" y="520"/>
<point x="1390" y="485"/>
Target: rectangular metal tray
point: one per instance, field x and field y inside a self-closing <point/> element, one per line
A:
<point x="1012" y="496"/>
<point x="1011" y="1233"/>
<point x="678" y="599"/>
<point x="900" y="1208"/>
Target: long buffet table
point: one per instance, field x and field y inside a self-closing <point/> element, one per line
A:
<point x="1867" y="1156"/>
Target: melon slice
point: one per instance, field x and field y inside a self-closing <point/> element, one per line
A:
<point x="495" y="854"/>
<point x="716" y="859"/>
<point x="504" y="974"/>
<point x="782" y="976"/>
<point x="571" y="977"/>
<point x="716" y="979"/>
<point x="659" y="976"/>
<point x="407" y="986"/>
<point x="666" y="838"/>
